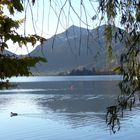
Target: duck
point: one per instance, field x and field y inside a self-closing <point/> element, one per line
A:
<point x="13" y="114"/>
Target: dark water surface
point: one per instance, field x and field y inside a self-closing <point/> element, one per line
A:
<point x="64" y="108"/>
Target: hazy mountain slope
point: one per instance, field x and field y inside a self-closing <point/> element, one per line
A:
<point x="76" y="47"/>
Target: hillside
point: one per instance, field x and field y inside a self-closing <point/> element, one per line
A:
<point x="74" y="49"/>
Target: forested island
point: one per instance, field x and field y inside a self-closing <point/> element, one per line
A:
<point x="85" y="71"/>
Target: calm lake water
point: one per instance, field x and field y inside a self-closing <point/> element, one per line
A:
<point x="64" y="108"/>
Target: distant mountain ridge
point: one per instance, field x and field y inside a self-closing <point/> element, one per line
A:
<point x="76" y="48"/>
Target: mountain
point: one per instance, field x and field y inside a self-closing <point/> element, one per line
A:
<point x="77" y="48"/>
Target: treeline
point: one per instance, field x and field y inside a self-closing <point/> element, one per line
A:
<point x="83" y="71"/>
<point x="86" y="71"/>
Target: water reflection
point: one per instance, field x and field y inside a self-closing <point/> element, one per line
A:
<point x="80" y="106"/>
<point x="3" y="103"/>
<point x="80" y="111"/>
<point x="84" y="102"/>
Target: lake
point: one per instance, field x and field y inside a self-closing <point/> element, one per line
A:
<point x="64" y="108"/>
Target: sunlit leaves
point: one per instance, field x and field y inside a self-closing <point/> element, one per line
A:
<point x="108" y="39"/>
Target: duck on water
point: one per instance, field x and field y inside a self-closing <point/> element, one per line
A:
<point x="13" y="114"/>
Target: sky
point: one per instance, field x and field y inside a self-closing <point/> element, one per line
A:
<point x="49" y="17"/>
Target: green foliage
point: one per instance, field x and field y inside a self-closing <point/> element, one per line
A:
<point x="12" y="5"/>
<point x="108" y="39"/>
<point x="128" y="12"/>
<point x="129" y="15"/>
<point x="12" y="65"/>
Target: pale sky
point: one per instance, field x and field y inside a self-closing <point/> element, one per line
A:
<point x="43" y="18"/>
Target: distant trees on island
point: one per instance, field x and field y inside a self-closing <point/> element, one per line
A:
<point x="85" y="71"/>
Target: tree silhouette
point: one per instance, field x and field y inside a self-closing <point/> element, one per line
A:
<point x="11" y="65"/>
